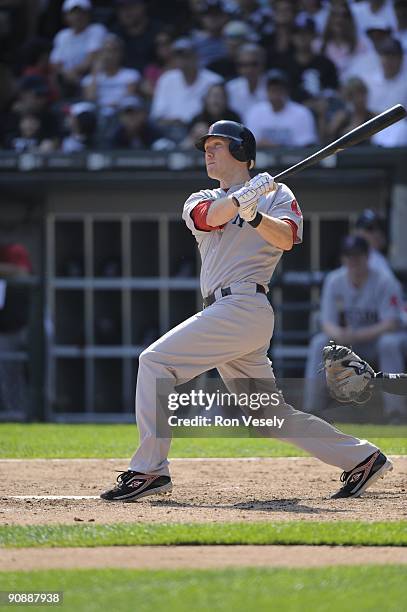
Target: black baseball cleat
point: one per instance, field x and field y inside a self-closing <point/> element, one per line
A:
<point x="363" y="475"/>
<point x="134" y="485"/>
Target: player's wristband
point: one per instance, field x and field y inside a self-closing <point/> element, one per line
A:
<point x="257" y="220"/>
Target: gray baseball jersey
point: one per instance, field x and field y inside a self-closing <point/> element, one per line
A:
<point x="237" y="253"/>
<point x="379" y="299"/>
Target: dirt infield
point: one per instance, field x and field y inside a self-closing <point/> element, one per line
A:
<point x="200" y="557"/>
<point x="278" y="489"/>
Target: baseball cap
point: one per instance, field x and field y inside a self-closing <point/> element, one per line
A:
<point x="183" y="44"/>
<point x="82" y="107"/>
<point x="69" y="5"/>
<point x="16" y="254"/>
<point x="132" y="102"/>
<point x="354" y="245"/>
<point x="236" y="29"/>
<point x="369" y="220"/>
<point x="277" y="76"/>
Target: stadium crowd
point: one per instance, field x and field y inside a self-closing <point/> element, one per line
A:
<point x="140" y="74"/>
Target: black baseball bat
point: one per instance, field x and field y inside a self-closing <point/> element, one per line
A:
<point x="362" y="132"/>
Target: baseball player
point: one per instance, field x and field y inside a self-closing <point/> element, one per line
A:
<point x="242" y="229"/>
<point x="361" y="306"/>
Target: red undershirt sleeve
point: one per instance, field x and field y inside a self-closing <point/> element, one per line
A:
<point x="293" y="228"/>
<point x="199" y="214"/>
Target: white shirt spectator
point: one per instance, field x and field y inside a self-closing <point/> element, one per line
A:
<point x="111" y="89"/>
<point x="71" y="49"/>
<point x="343" y="58"/>
<point x="241" y="98"/>
<point x="361" y="66"/>
<point x="293" y="126"/>
<point x="365" y="18"/>
<point x="174" y="99"/>
<point x="384" y="93"/>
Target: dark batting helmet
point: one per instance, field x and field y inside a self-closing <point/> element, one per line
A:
<point x="242" y="144"/>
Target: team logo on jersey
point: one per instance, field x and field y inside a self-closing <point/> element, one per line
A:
<point x="238" y="220"/>
<point x="295" y="208"/>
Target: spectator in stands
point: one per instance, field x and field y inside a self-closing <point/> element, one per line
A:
<point x="109" y="82"/>
<point x="317" y="10"/>
<point x="30" y="136"/>
<point x="15" y="265"/>
<point x="313" y="77"/>
<point x="196" y="131"/>
<point x="353" y="113"/>
<point x="82" y="128"/>
<point x="370" y="226"/>
<point x="76" y="46"/>
<point x="180" y="15"/>
<point x="163" y="61"/>
<point x="388" y="87"/>
<point x="257" y="15"/>
<point x="179" y="94"/>
<point x="215" y="108"/>
<point x="400" y="8"/>
<point x="235" y="34"/>
<point x="279" y="44"/>
<point x="280" y="121"/>
<point x="138" y="32"/>
<point x="341" y="42"/>
<point x="209" y="42"/>
<point x="374" y="13"/>
<point x="35" y="56"/>
<point x="311" y="74"/>
<point x="134" y="131"/>
<point x="251" y="86"/>
<point x="361" y="307"/>
<point x="33" y="99"/>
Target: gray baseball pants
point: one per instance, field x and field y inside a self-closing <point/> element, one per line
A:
<point x="232" y="335"/>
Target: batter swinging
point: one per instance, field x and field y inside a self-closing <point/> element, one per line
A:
<point x="242" y="229"/>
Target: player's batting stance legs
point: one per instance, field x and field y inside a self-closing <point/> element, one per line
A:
<point x="241" y="229"/>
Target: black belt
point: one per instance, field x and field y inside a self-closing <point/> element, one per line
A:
<point x="208" y="301"/>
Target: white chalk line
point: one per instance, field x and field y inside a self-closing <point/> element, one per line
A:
<point x="48" y="497"/>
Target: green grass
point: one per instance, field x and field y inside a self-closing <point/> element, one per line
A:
<point x="331" y="589"/>
<point x="343" y="533"/>
<point x="103" y="441"/>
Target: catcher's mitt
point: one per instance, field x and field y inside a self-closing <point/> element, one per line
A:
<point x="348" y="377"/>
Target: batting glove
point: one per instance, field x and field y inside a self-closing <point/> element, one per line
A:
<point x="245" y="196"/>
<point x="263" y="183"/>
<point x="249" y="212"/>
